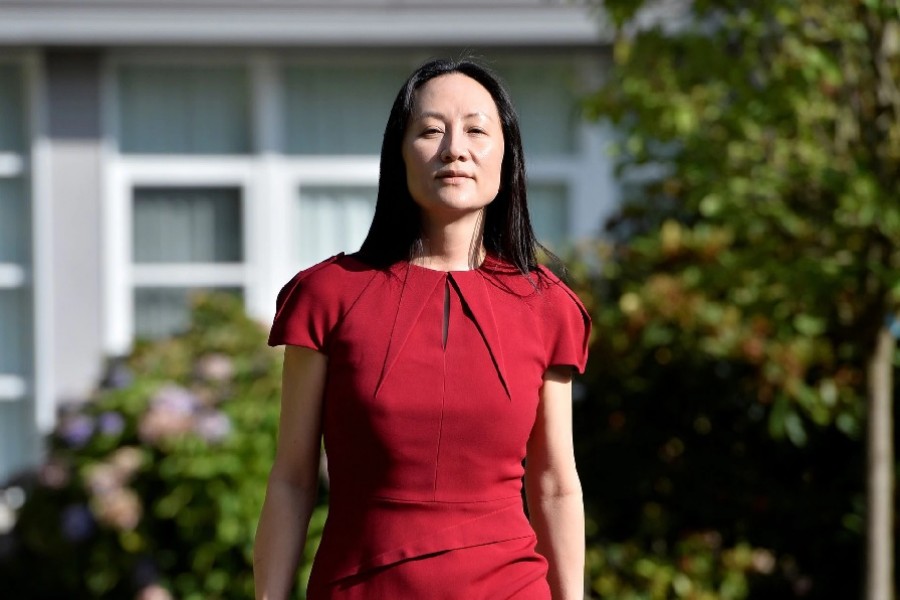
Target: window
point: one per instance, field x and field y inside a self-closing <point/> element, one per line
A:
<point x="183" y="236"/>
<point x="187" y="225"/>
<point x="17" y="415"/>
<point x="545" y="100"/>
<point x="549" y="210"/>
<point x="15" y="220"/>
<point x="334" y="120"/>
<point x="184" y="141"/>
<point x="332" y="219"/>
<point x="184" y="110"/>
<point x="334" y="111"/>
<point x="545" y="97"/>
<point x="160" y="311"/>
<point x="232" y="172"/>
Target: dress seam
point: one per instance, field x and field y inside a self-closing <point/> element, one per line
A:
<point x="413" y="501"/>
<point x="339" y="322"/>
<point x="437" y="457"/>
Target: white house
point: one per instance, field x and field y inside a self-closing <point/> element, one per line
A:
<point x="152" y="147"/>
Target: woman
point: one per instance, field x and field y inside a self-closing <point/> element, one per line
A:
<point x="432" y="361"/>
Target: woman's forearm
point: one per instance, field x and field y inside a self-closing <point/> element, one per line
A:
<point x="293" y="481"/>
<point x="281" y="537"/>
<point x="553" y="489"/>
<point x="558" y="521"/>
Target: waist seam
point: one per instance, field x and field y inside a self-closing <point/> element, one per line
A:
<point x="426" y="501"/>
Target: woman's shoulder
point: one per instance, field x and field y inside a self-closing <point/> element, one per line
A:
<point x="553" y="288"/>
<point x="566" y="321"/>
<point x="316" y="298"/>
<point x="540" y="287"/>
<point x="338" y="274"/>
<point x="560" y="317"/>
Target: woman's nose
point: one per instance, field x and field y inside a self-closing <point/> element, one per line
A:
<point x="454" y="147"/>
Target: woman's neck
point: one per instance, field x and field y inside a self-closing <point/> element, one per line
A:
<point x="454" y="245"/>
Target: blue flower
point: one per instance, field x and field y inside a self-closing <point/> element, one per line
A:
<point x="76" y="430"/>
<point x="174" y="399"/>
<point x="111" y="423"/>
<point x="117" y="375"/>
<point x="216" y="368"/>
<point x="212" y="425"/>
<point x="76" y="522"/>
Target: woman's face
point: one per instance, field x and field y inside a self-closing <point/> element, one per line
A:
<point x="453" y="147"/>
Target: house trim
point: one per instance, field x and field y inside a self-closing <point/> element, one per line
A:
<point x="278" y="23"/>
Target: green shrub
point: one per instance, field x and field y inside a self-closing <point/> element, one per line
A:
<point x="155" y="484"/>
<point x="690" y="492"/>
<point x="697" y="568"/>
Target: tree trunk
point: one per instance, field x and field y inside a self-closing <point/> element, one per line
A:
<point x="880" y="492"/>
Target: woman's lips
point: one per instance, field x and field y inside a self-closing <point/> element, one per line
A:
<point x="453" y="177"/>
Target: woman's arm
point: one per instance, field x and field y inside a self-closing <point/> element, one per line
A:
<point x="293" y="481"/>
<point x="553" y="490"/>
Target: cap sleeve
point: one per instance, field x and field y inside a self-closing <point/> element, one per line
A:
<point x="567" y="324"/>
<point x="306" y="311"/>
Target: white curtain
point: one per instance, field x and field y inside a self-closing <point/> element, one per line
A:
<point x="331" y="219"/>
<point x="547" y="106"/>
<point x="15" y="332"/>
<point x="338" y="110"/>
<point x="16" y="437"/>
<point x="15" y="222"/>
<point x="187" y="225"/>
<point x="184" y="110"/>
<point x="161" y="312"/>
<point x="549" y="210"/>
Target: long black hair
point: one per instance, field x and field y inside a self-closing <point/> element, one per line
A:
<point x="396" y="230"/>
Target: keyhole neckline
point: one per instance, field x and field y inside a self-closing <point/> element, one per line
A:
<point x="416" y="267"/>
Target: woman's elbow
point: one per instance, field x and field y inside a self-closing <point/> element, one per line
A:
<point x="299" y="479"/>
<point x="553" y="485"/>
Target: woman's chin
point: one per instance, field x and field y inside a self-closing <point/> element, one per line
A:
<point x="454" y="203"/>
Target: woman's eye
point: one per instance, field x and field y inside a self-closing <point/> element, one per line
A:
<point x="431" y="131"/>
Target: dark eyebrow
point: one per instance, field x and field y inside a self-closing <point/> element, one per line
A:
<point x="437" y="115"/>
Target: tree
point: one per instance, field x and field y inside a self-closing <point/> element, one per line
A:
<point x="763" y="139"/>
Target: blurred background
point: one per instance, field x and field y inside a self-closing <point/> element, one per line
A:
<point x="722" y="179"/>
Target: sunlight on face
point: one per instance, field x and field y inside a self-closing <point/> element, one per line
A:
<point x="453" y="147"/>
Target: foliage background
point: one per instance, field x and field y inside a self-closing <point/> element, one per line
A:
<point x="153" y="487"/>
<point x="720" y="424"/>
<point x="743" y="287"/>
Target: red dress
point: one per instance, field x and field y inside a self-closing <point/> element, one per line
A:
<point x="425" y="438"/>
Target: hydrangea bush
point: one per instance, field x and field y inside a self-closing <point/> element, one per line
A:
<point x="153" y="486"/>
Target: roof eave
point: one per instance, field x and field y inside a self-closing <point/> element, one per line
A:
<point x="122" y="25"/>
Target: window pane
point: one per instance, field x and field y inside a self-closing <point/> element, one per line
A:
<point x="332" y="219"/>
<point x="547" y="106"/>
<point x="187" y="225"/>
<point x="15" y="331"/>
<point x="549" y="209"/>
<point x="160" y="312"/>
<point x="12" y="109"/>
<point x="15" y="222"/>
<point x="338" y="110"/>
<point x="184" y="110"/>
<point x="16" y="437"/>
